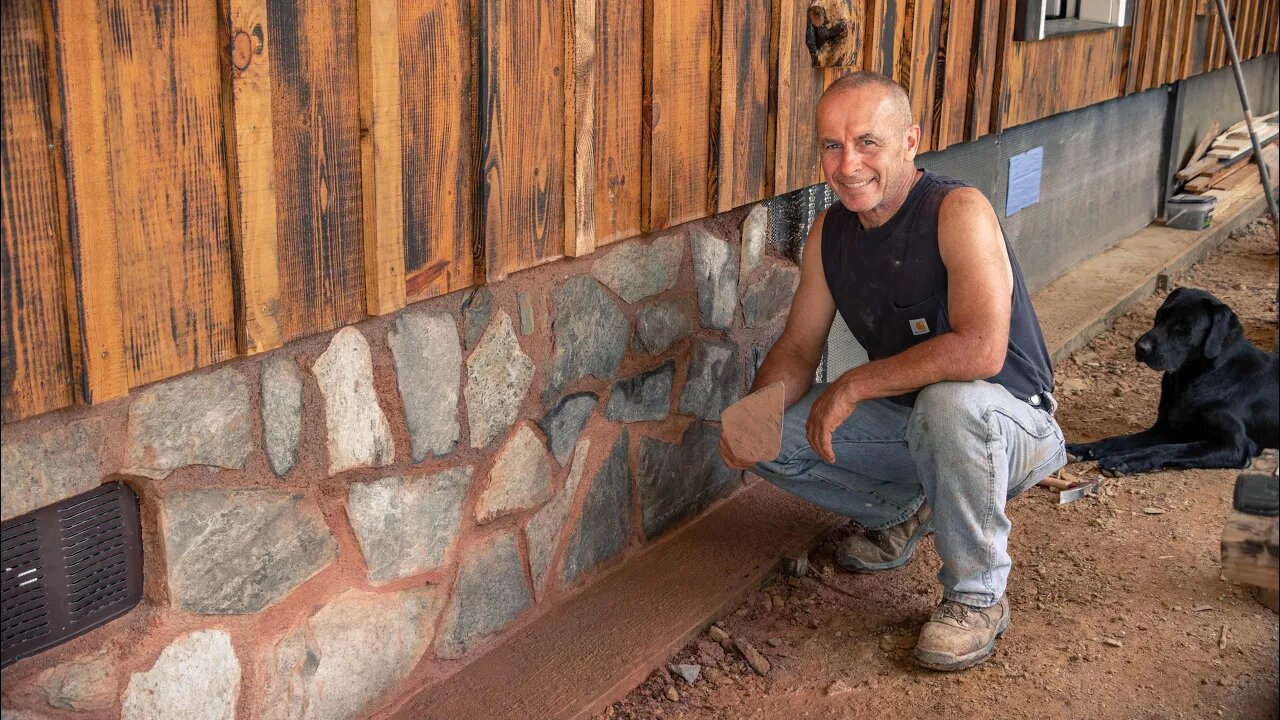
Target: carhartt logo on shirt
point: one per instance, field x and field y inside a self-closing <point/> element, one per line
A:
<point x="919" y="326"/>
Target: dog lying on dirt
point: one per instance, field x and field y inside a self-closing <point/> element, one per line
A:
<point x="1219" y="397"/>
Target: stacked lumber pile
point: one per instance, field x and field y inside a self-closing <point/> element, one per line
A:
<point x="1221" y="162"/>
<point x="1251" y="536"/>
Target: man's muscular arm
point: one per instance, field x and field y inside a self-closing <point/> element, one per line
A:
<point x="979" y="304"/>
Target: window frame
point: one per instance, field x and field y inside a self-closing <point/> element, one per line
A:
<point x="1031" y="22"/>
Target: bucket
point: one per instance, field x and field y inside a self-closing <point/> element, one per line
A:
<point x="1189" y="212"/>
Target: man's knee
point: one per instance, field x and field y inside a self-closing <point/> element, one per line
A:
<point x="949" y="407"/>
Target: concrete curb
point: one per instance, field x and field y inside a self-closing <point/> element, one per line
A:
<point x="1202" y="246"/>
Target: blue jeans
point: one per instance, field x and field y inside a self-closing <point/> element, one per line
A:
<point x="965" y="448"/>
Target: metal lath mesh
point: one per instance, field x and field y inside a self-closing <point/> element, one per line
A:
<point x="1100" y="184"/>
<point x="69" y="568"/>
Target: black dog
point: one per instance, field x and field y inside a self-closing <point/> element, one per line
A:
<point x="1219" y="397"/>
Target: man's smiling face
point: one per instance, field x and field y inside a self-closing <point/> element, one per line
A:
<point x="868" y="148"/>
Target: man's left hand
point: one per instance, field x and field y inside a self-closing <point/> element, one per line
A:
<point x="832" y="408"/>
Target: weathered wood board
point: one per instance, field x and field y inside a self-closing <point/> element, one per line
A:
<point x="618" y="119"/>
<point x="797" y="163"/>
<point x="745" y="154"/>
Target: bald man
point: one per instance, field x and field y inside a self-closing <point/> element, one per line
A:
<point x="953" y="414"/>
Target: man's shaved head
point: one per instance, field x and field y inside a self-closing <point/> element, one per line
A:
<point x="899" y="101"/>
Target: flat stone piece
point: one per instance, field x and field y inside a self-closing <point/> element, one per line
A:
<point x="358" y="432"/>
<point x="605" y="523"/>
<point x="428" y="358"/>
<point x="752" y="656"/>
<point x="716" y="275"/>
<point x="83" y="684"/>
<point x="52" y="467"/>
<point x="677" y="481"/>
<point x="563" y="423"/>
<point x="543" y="531"/>
<point x="490" y="592"/>
<point x="687" y="671"/>
<point x="498" y="376"/>
<point x="661" y="325"/>
<point x="196" y="420"/>
<point x="197" y="677"/>
<point x="714" y="381"/>
<point x="477" y="309"/>
<point x="346" y="656"/>
<point x="591" y="334"/>
<point x="524" y="304"/>
<point x="766" y="300"/>
<point x="281" y="412"/>
<point x="635" y="270"/>
<point x="754" y="232"/>
<point x="520" y="479"/>
<point x="239" y="551"/>
<point x="406" y="525"/>
<point x="753" y="425"/>
<point x="646" y="396"/>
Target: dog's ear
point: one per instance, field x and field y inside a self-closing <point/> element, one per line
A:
<point x="1224" y="329"/>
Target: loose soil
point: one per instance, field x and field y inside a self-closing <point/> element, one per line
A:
<point x="1119" y="610"/>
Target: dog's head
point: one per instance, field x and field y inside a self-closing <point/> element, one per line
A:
<point x="1190" y="325"/>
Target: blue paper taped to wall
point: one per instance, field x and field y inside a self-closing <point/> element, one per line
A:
<point x="1024" y="180"/>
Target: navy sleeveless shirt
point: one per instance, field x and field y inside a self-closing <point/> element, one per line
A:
<point x="890" y="286"/>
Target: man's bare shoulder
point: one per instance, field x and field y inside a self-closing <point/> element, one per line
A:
<point x="965" y="202"/>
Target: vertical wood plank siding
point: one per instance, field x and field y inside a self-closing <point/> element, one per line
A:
<point x="439" y="82"/>
<point x="168" y="185"/>
<point x="35" y="371"/>
<point x="523" y="145"/>
<point x="184" y="182"/>
<point x="315" y="115"/>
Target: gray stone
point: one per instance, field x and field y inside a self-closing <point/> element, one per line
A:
<point x="54" y="466"/>
<point x="754" y="229"/>
<point x="714" y="382"/>
<point x="525" y="306"/>
<point x="489" y="593"/>
<point x="687" y="671"/>
<point x="520" y="479"/>
<point x="677" y="481"/>
<point x="605" y="523"/>
<point x="716" y="275"/>
<point x="477" y="308"/>
<point x="635" y="270"/>
<point x="83" y="684"/>
<point x="498" y="376"/>
<point x="7" y="714"/>
<point x="281" y="412"/>
<point x="344" y="658"/>
<point x="543" y="531"/>
<point x="238" y="551"/>
<point x="358" y="433"/>
<point x="197" y="677"/>
<point x="406" y="525"/>
<point x="196" y="420"/>
<point x="563" y="423"/>
<point x="646" y="396"/>
<point x="767" y="300"/>
<point x="660" y="325"/>
<point x="591" y="335"/>
<point x="428" y="359"/>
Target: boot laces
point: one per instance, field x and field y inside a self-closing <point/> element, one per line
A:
<point x="956" y="611"/>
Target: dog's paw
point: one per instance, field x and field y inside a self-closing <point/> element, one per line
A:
<point x="1079" y="453"/>
<point x="1116" y="467"/>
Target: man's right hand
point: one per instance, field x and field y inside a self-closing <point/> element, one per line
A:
<point x="730" y="459"/>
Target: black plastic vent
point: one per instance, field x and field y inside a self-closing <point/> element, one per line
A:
<point x="68" y="568"/>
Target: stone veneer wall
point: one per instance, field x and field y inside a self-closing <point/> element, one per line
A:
<point x="339" y="522"/>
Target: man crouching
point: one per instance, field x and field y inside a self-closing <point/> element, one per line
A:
<point x="953" y="415"/>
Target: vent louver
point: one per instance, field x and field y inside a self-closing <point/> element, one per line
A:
<point x="68" y="568"/>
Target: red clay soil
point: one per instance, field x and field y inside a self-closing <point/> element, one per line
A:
<point x="1119" y="610"/>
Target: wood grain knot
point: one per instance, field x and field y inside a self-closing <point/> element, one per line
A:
<point x="832" y="33"/>
<point x="241" y="51"/>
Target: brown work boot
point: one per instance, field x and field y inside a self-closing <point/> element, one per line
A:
<point x="959" y="636"/>
<point x="877" y="550"/>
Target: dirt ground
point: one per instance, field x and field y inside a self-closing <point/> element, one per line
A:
<point x="1118" y="607"/>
